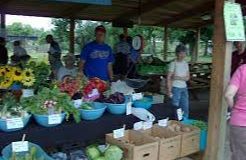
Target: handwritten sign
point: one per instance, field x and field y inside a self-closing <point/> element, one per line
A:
<point x="118" y="133"/>
<point x="234" y="25"/>
<point x="54" y="119"/>
<point x="20" y="146"/>
<point x="147" y="125"/>
<point x="137" y="96"/>
<point x="163" y="122"/>
<point x="129" y="108"/>
<point x="14" y="123"/>
<point x="138" y="125"/>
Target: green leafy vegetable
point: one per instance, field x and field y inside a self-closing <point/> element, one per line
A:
<point x="113" y="153"/>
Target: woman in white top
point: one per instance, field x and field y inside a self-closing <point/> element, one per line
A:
<point x="20" y="54"/>
<point x="177" y="77"/>
<point x="69" y="69"/>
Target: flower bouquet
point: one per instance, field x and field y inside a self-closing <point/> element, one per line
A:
<point x="13" y="116"/>
<point x="50" y="107"/>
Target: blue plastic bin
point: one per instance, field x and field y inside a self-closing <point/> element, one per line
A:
<point x="145" y="103"/>
<point x="43" y="120"/>
<point x="203" y="134"/>
<point x="3" y="124"/>
<point x="118" y="109"/>
<point x="7" y="152"/>
<point x="97" y="112"/>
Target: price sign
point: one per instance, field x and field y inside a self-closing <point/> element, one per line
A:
<point x="54" y="119"/>
<point x="138" y="125"/>
<point x="179" y="114"/>
<point x="147" y="125"/>
<point x="94" y="93"/>
<point x="20" y="146"/>
<point x="14" y="123"/>
<point x="163" y="122"/>
<point x="129" y="108"/>
<point x="137" y="96"/>
<point x="118" y="133"/>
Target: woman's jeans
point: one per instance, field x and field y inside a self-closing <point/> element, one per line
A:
<point x="181" y="99"/>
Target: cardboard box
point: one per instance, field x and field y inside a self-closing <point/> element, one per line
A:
<point x="190" y="141"/>
<point x="169" y="142"/>
<point x="136" y="145"/>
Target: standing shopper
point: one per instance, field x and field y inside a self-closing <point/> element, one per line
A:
<point x="97" y="57"/>
<point x="122" y="50"/>
<point x="54" y="54"/>
<point x="236" y="98"/>
<point x="238" y="56"/>
<point x="3" y="52"/>
<point x="177" y="77"/>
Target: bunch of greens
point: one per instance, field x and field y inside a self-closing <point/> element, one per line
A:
<point x="41" y="71"/>
<point x="200" y="124"/>
<point x="10" y="108"/>
<point x="40" y="103"/>
<point x="111" y="152"/>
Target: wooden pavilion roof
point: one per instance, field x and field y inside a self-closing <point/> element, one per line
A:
<point x="174" y="13"/>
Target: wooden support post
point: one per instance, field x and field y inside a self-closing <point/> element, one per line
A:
<point x="220" y="77"/>
<point x="195" y="54"/>
<point x="3" y="25"/>
<point x="125" y="31"/>
<point x="165" y="44"/>
<point x="71" y="36"/>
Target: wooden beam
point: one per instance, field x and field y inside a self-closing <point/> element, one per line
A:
<point x="165" y="44"/>
<point x="220" y="76"/>
<point x="195" y="54"/>
<point x="146" y="7"/>
<point x="3" y="25"/>
<point x="197" y="10"/>
<point x="71" y="36"/>
<point x="70" y="12"/>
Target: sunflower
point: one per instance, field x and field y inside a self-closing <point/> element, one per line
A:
<point x="17" y="74"/>
<point x="2" y="71"/>
<point x="28" y="81"/>
<point x="6" y="83"/>
<point x="27" y="73"/>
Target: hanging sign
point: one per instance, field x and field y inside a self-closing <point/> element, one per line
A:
<point x="234" y="25"/>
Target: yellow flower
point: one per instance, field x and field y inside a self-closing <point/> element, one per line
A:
<point x="17" y="74"/>
<point x="6" y="83"/>
<point x="28" y="81"/>
<point x="27" y="73"/>
<point x="2" y="71"/>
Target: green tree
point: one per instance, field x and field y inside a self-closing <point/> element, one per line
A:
<point x="206" y="36"/>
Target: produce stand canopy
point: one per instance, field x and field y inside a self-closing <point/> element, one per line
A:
<point x="175" y="13"/>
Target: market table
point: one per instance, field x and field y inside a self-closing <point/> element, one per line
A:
<point x="79" y="133"/>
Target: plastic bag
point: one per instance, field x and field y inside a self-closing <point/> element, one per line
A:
<point x="122" y="87"/>
<point x="143" y="114"/>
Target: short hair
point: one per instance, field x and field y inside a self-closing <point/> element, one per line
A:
<point x="17" y="43"/>
<point x="49" y="36"/>
<point x="2" y="39"/>
<point x="180" y="48"/>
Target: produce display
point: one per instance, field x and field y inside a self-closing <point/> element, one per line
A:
<point x="86" y="106"/>
<point x="50" y="101"/>
<point x="111" y="152"/>
<point x="200" y="124"/>
<point x="10" y="75"/>
<point x="176" y="127"/>
<point x="116" y="98"/>
<point x="95" y="83"/>
<point x="146" y="69"/>
<point x="31" y="155"/>
<point x="10" y="108"/>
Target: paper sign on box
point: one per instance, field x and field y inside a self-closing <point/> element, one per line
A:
<point x="147" y="125"/>
<point x="14" y="123"/>
<point x="137" y="96"/>
<point x="138" y="125"/>
<point x="54" y="119"/>
<point x="118" y="133"/>
<point x="20" y="146"/>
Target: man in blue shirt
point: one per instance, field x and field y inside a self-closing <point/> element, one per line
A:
<point x="97" y="57"/>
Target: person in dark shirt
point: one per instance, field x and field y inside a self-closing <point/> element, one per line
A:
<point x="238" y="56"/>
<point x="3" y="52"/>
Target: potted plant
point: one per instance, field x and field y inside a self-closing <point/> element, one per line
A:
<point x="13" y="116"/>
<point x="50" y="107"/>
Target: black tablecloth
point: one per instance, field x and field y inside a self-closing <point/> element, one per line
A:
<point x="83" y="132"/>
